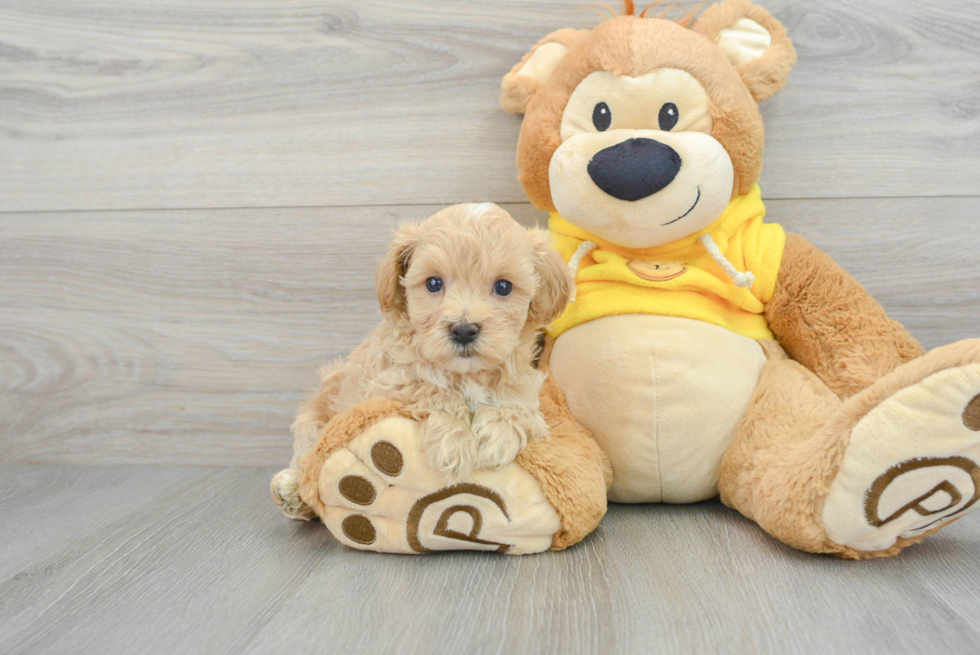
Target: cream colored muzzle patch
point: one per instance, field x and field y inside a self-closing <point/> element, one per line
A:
<point x="912" y="465"/>
<point x="666" y="105"/>
<point x="695" y="198"/>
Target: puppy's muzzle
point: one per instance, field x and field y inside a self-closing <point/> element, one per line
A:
<point x="465" y="333"/>
<point x="635" y="168"/>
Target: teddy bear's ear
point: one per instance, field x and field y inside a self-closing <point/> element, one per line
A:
<point x="524" y="79"/>
<point x="755" y="43"/>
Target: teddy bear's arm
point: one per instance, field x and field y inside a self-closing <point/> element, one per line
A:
<point x="829" y="323"/>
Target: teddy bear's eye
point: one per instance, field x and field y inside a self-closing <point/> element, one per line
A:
<point x="601" y="117"/>
<point x="669" y="116"/>
<point x="433" y="285"/>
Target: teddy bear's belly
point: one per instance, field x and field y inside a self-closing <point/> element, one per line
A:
<point x="663" y="397"/>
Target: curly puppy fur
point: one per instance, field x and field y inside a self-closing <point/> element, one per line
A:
<point x="478" y="401"/>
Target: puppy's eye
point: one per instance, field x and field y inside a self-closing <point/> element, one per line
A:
<point x="669" y="116"/>
<point x="601" y="117"/>
<point x="502" y="288"/>
<point x="433" y="285"/>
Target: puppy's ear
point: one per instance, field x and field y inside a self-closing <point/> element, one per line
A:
<point x="524" y="79"/>
<point x="388" y="278"/>
<point x="754" y="41"/>
<point x="555" y="281"/>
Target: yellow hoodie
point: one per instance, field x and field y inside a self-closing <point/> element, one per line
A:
<point x="679" y="278"/>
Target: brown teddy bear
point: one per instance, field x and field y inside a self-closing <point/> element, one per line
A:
<point x="706" y="350"/>
<point x="710" y="352"/>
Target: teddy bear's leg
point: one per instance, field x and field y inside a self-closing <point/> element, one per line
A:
<point x="829" y="323"/>
<point x="867" y="476"/>
<point x="369" y="481"/>
<point x="572" y="470"/>
<point x="760" y="468"/>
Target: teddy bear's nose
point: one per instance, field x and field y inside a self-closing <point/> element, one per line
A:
<point x="634" y="169"/>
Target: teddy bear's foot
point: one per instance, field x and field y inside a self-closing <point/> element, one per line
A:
<point x="380" y="493"/>
<point x="912" y="464"/>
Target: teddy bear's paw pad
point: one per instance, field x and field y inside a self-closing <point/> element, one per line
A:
<point x="380" y="493"/>
<point x="912" y="464"/>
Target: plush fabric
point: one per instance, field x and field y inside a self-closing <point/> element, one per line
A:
<point x="917" y="436"/>
<point x="634" y="47"/>
<point x="793" y="451"/>
<point x="566" y="469"/>
<point x="522" y="82"/>
<point x="667" y="432"/>
<point x="766" y="73"/>
<point x="828" y="322"/>
<point x="369" y="482"/>
<point x="679" y="278"/>
<point x="793" y="394"/>
<point x="701" y="357"/>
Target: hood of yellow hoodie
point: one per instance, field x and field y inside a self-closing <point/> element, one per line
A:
<point x="680" y="278"/>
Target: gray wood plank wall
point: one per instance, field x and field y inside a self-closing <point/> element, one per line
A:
<point x="194" y="193"/>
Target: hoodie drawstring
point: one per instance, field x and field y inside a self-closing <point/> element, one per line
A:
<point x="742" y="280"/>
<point x="580" y="253"/>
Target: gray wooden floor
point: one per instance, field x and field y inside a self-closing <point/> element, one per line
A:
<point x="147" y="559"/>
<point x="193" y="196"/>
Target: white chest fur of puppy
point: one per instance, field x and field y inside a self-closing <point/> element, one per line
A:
<point x="464" y="294"/>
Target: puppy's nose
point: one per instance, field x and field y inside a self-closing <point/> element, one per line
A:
<point x="464" y="333"/>
<point x="635" y="168"/>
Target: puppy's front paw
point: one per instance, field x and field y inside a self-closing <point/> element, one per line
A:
<point x="503" y="431"/>
<point x="449" y="445"/>
<point x="285" y="494"/>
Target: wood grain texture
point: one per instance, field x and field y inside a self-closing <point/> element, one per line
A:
<point x="199" y="561"/>
<point x="191" y="337"/>
<point x="112" y="104"/>
<point x="43" y="508"/>
<point x="182" y="336"/>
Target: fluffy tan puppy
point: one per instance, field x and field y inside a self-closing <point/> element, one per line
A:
<point x="464" y="295"/>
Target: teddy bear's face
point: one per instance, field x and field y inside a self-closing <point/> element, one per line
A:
<point x="637" y="164"/>
<point x="641" y="131"/>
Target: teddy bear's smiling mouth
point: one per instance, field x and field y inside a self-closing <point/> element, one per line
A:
<point x="696" y="201"/>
